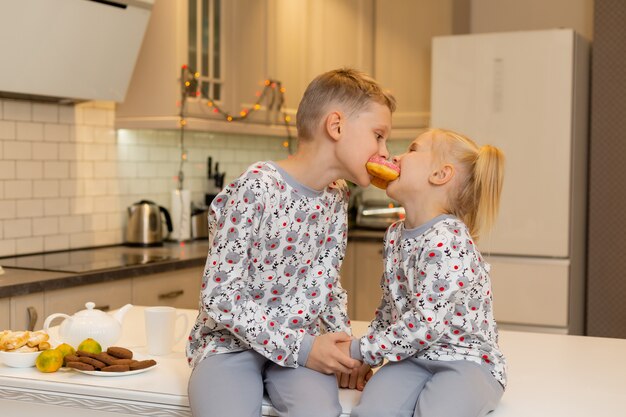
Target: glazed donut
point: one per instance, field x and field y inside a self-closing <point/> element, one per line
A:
<point x="382" y="171"/>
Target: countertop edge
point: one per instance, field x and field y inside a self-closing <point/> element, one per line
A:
<point x="78" y="279"/>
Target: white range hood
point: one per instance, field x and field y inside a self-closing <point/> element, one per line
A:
<point x="70" y="50"/>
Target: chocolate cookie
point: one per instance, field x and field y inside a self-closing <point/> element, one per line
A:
<point x="71" y="358"/>
<point x="120" y="352"/>
<point x="93" y="362"/>
<point x="106" y="358"/>
<point x="82" y="353"/>
<point x="123" y="361"/>
<point x="81" y="366"/>
<point x="115" y="368"/>
<point x="142" y="364"/>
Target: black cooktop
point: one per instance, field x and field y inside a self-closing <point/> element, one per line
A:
<point x="81" y="260"/>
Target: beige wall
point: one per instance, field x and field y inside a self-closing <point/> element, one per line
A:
<point x="508" y="15"/>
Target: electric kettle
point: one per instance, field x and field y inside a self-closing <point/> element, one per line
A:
<point x="145" y="225"/>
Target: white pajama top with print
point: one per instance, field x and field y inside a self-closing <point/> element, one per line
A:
<point x="271" y="280"/>
<point x="437" y="301"/>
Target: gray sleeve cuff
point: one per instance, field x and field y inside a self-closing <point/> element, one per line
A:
<point x="355" y="349"/>
<point x="305" y="349"/>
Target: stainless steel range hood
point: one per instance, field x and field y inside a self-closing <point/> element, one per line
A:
<point x="70" y="50"/>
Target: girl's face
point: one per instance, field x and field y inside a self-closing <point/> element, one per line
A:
<point x="365" y="135"/>
<point x="416" y="166"/>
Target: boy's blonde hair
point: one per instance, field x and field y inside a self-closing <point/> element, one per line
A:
<point x="479" y="185"/>
<point x="348" y="87"/>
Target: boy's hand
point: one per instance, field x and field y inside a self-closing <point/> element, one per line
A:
<point x="328" y="358"/>
<point x="356" y="379"/>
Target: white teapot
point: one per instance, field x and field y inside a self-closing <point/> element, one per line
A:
<point x="105" y="328"/>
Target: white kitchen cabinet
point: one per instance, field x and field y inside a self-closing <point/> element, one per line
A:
<point x="5" y="318"/>
<point x="368" y="272"/>
<point x="292" y="42"/>
<point x="180" y="289"/>
<point x="106" y="295"/>
<point x="403" y="34"/>
<point x="530" y="292"/>
<point x="27" y="311"/>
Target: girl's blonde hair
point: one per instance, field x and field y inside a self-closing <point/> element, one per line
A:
<point x="479" y="185"/>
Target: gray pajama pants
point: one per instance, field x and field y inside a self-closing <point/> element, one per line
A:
<point x="425" y="388"/>
<point x="231" y="384"/>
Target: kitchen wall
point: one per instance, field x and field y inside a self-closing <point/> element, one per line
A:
<point x="66" y="176"/>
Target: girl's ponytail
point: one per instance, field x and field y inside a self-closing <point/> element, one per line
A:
<point x="488" y="178"/>
<point x="476" y="197"/>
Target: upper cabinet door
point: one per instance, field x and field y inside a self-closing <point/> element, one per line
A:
<point x="403" y="33"/>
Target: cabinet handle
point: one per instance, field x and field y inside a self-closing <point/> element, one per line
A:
<point x="380" y="251"/>
<point x="32" y="318"/>
<point x="103" y="308"/>
<point x="171" y="294"/>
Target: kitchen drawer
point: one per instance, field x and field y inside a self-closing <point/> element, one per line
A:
<point x="347" y="277"/>
<point x="27" y="311"/>
<point x="4" y="314"/>
<point x="530" y="291"/>
<point x="368" y="272"/>
<point x="107" y="296"/>
<point x="180" y="289"/>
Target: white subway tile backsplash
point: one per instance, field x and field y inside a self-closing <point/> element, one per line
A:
<point x="71" y="224"/>
<point x="17" y="189"/>
<point x="95" y="187"/>
<point x="81" y="240"/>
<point x="7" y="170"/>
<point x="67" y="115"/>
<point x="71" y="151"/>
<point x="29" y="245"/>
<point x="43" y="112"/>
<point x="68" y="174"/>
<point x="57" y="242"/>
<point x="29" y="170"/>
<point x="15" y="228"/>
<point x="7" y="247"/>
<point x="17" y="110"/>
<point x="95" y="152"/>
<point x="95" y="117"/>
<point x="57" y="132"/>
<point x="71" y="188"/>
<point x="17" y="150"/>
<point x="45" y="226"/>
<point x="29" y="131"/>
<point x="81" y="205"/>
<point x="56" y="169"/>
<point x="7" y="130"/>
<point x="45" y="188"/>
<point x="83" y="134"/>
<point x="95" y="222"/>
<point x="7" y="209"/>
<point x="45" y="151"/>
<point x="29" y="208"/>
<point x="81" y="169"/>
<point x="56" y="207"/>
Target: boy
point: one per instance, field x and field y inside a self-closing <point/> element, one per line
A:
<point x="272" y="310"/>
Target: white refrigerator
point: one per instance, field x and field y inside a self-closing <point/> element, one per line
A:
<point x="527" y="93"/>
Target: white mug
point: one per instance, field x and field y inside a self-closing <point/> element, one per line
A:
<point x="160" y="327"/>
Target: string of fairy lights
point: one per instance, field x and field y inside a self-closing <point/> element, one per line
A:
<point x="273" y="94"/>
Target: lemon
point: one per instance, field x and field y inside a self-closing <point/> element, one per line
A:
<point x="65" y="350"/>
<point x="89" y="345"/>
<point x="49" y="360"/>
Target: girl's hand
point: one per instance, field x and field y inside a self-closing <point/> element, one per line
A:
<point x="355" y="379"/>
<point x="328" y="357"/>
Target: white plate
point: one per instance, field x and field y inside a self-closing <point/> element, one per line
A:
<point x="101" y="373"/>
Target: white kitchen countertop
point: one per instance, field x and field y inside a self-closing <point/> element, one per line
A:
<point x="549" y="375"/>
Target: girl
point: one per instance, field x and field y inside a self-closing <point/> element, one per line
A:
<point x="435" y="324"/>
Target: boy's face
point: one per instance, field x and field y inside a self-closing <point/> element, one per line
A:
<point x="364" y="134"/>
<point x="416" y="166"/>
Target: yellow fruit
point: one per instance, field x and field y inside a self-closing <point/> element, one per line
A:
<point x="65" y="350"/>
<point x="49" y="360"/>
<point x="90" y="345"/>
